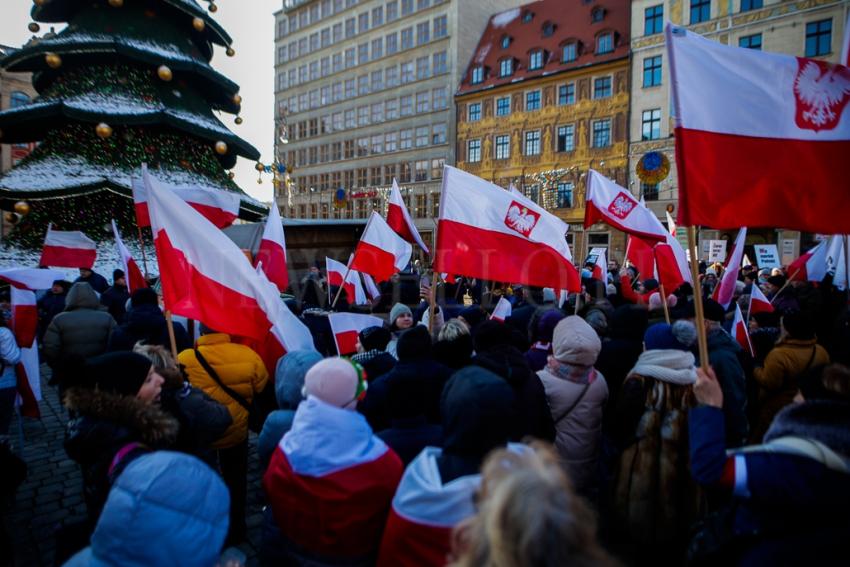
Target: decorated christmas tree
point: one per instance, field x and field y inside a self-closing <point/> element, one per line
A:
<point x="126" y="82"/>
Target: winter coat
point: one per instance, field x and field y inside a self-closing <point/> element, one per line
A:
<point x="723" y="352"/>
<point x="537" y="356"/>
<point x="10" y="356"/>
<point x="49" y="306"/>
<point x="785" y="301"/>
<point x="455" y="353"/>
<point x="146" y="323"/>
<point x="239" y="368"/>
<point x="408" y="436"/>
<point x="103" y="424"/>
<point x="115" y="300"/>
<point x="655" y="497"/>
<point x="165" y="509"/>
<point x="202" y="419"/>
<point x="788" y="506"/>
<point x="532" y="412"/>
<point x="777" y="380"/>
<point x="576" y="410"/>
<point x="83" y="329"/>
<point x="97" y="282"/>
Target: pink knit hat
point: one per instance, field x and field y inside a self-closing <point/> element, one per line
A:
<point x="334" y="381"/>
<point x="575" y="342"/>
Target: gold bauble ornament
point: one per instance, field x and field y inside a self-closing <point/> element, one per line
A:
<point x="213" y="8"/>
<point x="220" y="148"/>
<point x="103" y="130"/>
<point x="116" y="3"/>
<point x="164" y="73"/>
<point x="238" y="120"/>
<point x="34" y="27"/>
<point x="199" y="24"/>
<point x="230" y="52"/>
<point x="22" y="208"/>
<point x="260" y="167"/>
<point x="237" y="100"/>
<point x="53" y="60"/>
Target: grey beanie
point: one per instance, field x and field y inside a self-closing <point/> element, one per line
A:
<point x="398" y="310"/>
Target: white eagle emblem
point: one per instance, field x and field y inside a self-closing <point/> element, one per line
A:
<point x="521" y="219"/>
<point x="622" y="205"/>
<point x="822" y="91"/>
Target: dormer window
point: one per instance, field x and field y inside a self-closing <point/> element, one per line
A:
<point x="597" y="15"/>
<point x="605" y="43"/>
<point x="535" y="60"/>
<point x="570" y="52"/>
<point x="506" y="41"/>
<point x="527" y="16"/>
<point x="548" y="29"/>
<point x="506" y="67"/>
<point x="477" y="75"/>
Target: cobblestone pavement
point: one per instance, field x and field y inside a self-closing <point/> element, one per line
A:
<point x="52" y="493"/>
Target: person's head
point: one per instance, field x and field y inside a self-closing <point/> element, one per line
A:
<point x="713" y="312"/>
<point x="118" y="278"/>
<point x="85" y="273"/>
<point x="336" y="381"/>
<point x="650" y="284"/>
<point x="125" y="374"/>
<point x="401" y="317"/>
<point x="59" y="287"/>
<point x="472" y="316"/>
<point x="546" y="324"/>
<point x="777" y="272"/>
<point x="750" y="278"/>
<point x="830" y="382"/>
<point x="798" y="325"/>
<point x="775" y="283"/>
<point x="491" y="335"/>
<point x="598" y="321"/>
<point x="163" y="364"/>
<point x="528" y="515"/>
<point x="414" y="344"/>
<point x="575" y="343"/>
<point x="144" y="296"/>
<point x="452" y="330"/>
<point x="661" y="337"/>
<point x="373" y="338"/>
<point x="289" y="376"/>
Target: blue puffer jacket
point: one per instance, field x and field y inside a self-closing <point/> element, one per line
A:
<point x="165" y="509"/>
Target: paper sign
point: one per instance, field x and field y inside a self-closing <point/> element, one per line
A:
<point x="594" y="254"/>
<point x="767" y="255"/>
<point x="716" y="251"/>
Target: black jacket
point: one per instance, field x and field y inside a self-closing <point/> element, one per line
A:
<point x="49" y="307"/>
<point x="202" y="419"/>
<point x="408" y="436"/>
<point x="115" y="300"/>
<point x="96" y="281"/>
<point x="146" y="323"/>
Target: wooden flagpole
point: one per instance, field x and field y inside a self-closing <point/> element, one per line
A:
<point x="664" y="302"/>
<point x="781" y="289"/>
<point x="339" y="290"/>
<point x="702" y="338"/>
<point x="432" y="303"/>
<point x="171" y="336"/>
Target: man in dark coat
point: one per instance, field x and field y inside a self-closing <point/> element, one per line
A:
<point x="95" y="280"/>
<point x="145" y="323"/>
<point x="51" y="305"/>
<point x="372" y="355"/>
<point x="620" y="351"/>
<point x="409" y="430"/>
<point x="115" y="298"/>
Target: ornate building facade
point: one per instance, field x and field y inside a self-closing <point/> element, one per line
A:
<point x="546" y="97"/>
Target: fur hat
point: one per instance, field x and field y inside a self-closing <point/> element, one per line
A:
<point x="398" y="310"/>
<point x="374" y="338"/>
<point x="575" y="342"/>
<point x="335" y="381"/>
<point x="121" y="373"/>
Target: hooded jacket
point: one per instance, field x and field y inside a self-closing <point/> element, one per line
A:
<point x="83" y="329"/>
<point x="146" y="323"/>
<point x="115" y="300"/>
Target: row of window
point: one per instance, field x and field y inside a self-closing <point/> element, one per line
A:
<point x="362" y="208"/>
<point x="364" y="146"/>
<point x="328" y="8"/>
<point x="368" y="83"/>
<point x="379" y="175"/>
<point x="565" y="141"/>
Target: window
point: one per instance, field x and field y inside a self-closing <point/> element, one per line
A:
<point x="363" y="22"/>
<point x="700" y="11"/>
<point x="391" y="76"/>
<point x="336" y="62"/>
<point x="506" y="67"/>
<point x="437" y="165"/>
<point x="477" y="75"/>
<point x="650" y="124"/>
<point x="337" y="121"/>
<point x="377" y="112"/>
<point x="818" y="38"/>
<point x="506" y="41"/>
<point x="406" y="7"/>
<point x="601" y="133"/>
<point x="404" y="172"/>
<point x="363" y="84"/>
<point x="527" y="17"/>
<point x="349" y="28"/>
<point x="314" y="41"/>
<point x="473" y="151"/>
<point x="377" y="48"/>
<point x="570" y="52"/>
<point x="532" y="192"/>
<point x="503" y="146"/>
<point x="440" y="98"/>
<point x="548" y="29"/>
<point x="474" y="112"/>
<point x="564" y="195"/>
<point x="325" y="97"/>
<point x="350" y="120"/>
<point x="363" y="147"/>
<point x="389" y="173"/>
<point x="350" y="88"/>
<point x="350" y="55"/>
<point x="377" y="80"/>
<point x="337" y="33"/>
<point x="420" y="173"/>
<point x="567" y="94"/>
<point x="566" y="138"/>
<point x="535" y="60"/>
<point x="602" y="87"/>
<point x="314" y="70"/>
<point x="503" y="106"/>
<point x="363" y="116"/>
<point x="440" y="66"/>
<point x="392" y="43"/>
<point x="325" y="67"/>
<point x="649" y="191"/>
<point x="391" y="109"/>
<point x="377" y="144"/>
<point x="438" y="134"/>
<point x="422" y="4"/>
<point x="423" y="102"/>
<point x="532" y="143"/>
<point x="377" y="16"/>
<point x="605" y="43"/>
<point x="652" y="71"/>
<point x="440" y="27"/>
<point x="391" y="142"/>
<point x="747" y="5"/>
<point x="532" y="100"/>
<point x="407" y="38"/>
<point x="597" y="15"/>
<point x="407" y="72"/>
<point x="407" y="105"/>
<point x="362" y="179"/>
<point x="423" y="33"/>
<point x="392" y="10"/>
<point x="362" y="53"/>
<point x="750" y="41"/>
<point x="422" y="70"/>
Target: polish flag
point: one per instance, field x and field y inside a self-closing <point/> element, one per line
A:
<point x="614" y="205"/>
<point x="219" y="207"/>
<point x="668" y="269"/>
<point x="371" y="288"/>
<point x="740" y="331"/>
<point x="381" y="252"/>
<point x="600" y="268"/>
<point x="24" y="327"/>
<point x="424" y="512"/>
<point x="641" y="255"/>
<point x="762" y="138"/>
<point x="135" y="279"/>
<point x="347" y="326"/>
<point x="66" y="249"/>
<point x="671" y="224"/>
<point x="205" y="277"/>
<point x="758" y="302"/>
<point x="330" y="482"/>
<point x="837" y="261"/>
<point x="725" y="290"/>
<point x="810" y="266"/>
<point x="399" y="219"/>
<point x="30" y="278"/>
<point x="353" y="288"/>
<point x="502" y="310"/>
<point x="486" y="232"/>
<point x="272" y="252"/>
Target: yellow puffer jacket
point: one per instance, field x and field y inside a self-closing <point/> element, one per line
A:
<point x="239" y="367"/>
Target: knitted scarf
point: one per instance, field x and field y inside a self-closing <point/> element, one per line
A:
<point x="673" y="366"/>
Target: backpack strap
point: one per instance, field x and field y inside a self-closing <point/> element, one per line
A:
<point x="227" y="390"/>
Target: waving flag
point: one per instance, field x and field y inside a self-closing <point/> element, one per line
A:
<point x="400" y="221"/>
<point x="371" y="289"/>
<point x="600" y="268"/>
<point x="135" y="279"/>
<point x="68" y="249"/>
<point x="486" y="232"/>
<point x="810" y="266"/>
<point x="671" y="267"/>
<point x="502" y="310"/>
<point x="381" y="252"/>
<point x="347" y="326"/>
<point x="30" y="278"/>
<point x="614" y="205"/>
<point x="641" y="255"/>
<point x="671" y="224"/>
<point x="762" y="138"/>
<point x="353" y="288"/>
<point x="725" y="290"/>
<point x="758" y="302"/>
<point x="219" y="207"/>
<point x="740" y="331"/>
<point x="272" y="252"/>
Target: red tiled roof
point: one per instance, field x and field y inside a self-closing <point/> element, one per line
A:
<point x="571" y="21"/>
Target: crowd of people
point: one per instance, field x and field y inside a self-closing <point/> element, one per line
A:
<point x="582" y="433"/>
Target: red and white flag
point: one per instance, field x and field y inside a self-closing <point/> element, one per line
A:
<point x="347" y="326"/>
<point x="725" y="290"/>
<point x="811" y="265"/>
<point x="400" y="221"/>
<point x="740" y="331"/>
<point x="272" y="252"/>
<point x="671" y="268"/>
<point x="381" y="252"/>
<point x="502" y="310"/>
<point x="206" y="277"/>
<point x="219" y="207"/>
<point x="762" y="138"/>
<point x="68" y="249"/>
<point x="135" y="279"/>
<point x="641" y="255"/>
<point x="486" y="232"/>
<point x="837" y="261"/>
<point x="614" y="205"/>
<point x="600" y="268"/>
<point x="353" y="288"/>
<point x="671" y="224"/>
<point x="30" y="278"/>
<point x="371" y="288"/>
<point x="758" y="302"/>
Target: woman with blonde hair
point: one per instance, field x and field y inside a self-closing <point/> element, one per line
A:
<point x="528" y="516"/>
